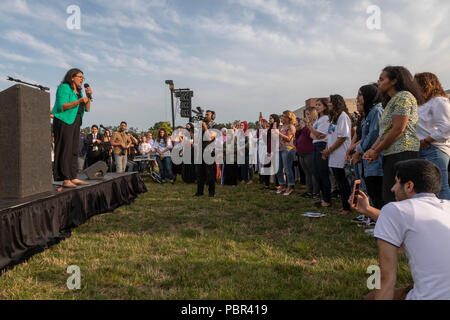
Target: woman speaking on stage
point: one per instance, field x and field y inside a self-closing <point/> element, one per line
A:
<point x="68" y="112"/>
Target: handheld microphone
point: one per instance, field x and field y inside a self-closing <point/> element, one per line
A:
<point x="88" y="94"/>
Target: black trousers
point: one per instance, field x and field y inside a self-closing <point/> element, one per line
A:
<point x="321" y="171"/>
<point x="67" y="137"/>
<point x="389" y="172"/>
<point x="374" y="187"/>
<point x="344" y="187"/>
<point x="206" y="172"/>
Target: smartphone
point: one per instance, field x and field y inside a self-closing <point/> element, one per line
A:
<point x="355" y="193"/>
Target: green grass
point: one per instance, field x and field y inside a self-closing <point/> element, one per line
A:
<point x="247" y="243"/>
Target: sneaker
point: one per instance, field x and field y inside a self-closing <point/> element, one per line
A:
<point x="359" y="219"/>
<point x="250" y="182"/>
<point x="288" y="192"/>
<point x="172" y="181"/>
<point x="315" y="196"/>
<point x="364" y="223"/>
<point x="281" y="190"/>
<point x="371" y="223"/>
<point x="307" y="195"/>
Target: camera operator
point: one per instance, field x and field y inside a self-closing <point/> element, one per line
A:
<point x="204" y="170"/>
<point x="120" y="143"/>
<point x="132" y="153"/>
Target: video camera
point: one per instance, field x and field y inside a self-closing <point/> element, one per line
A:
<point x="198" y="114"/>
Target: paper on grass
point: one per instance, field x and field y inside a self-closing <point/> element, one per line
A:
<point x="313" y="215"/>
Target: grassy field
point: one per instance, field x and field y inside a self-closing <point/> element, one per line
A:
<point x="247" y="243"/>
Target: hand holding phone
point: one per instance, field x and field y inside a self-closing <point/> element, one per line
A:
<point x="354" y="197"/>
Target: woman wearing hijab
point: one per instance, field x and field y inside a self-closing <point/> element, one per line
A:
<point x="246" y="169"/>
<point x="231" y="170"/>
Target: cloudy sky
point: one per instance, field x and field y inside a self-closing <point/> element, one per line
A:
<point x="239" y="56"/>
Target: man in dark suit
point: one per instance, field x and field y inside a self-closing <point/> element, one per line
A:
<point x="95" y="146"/>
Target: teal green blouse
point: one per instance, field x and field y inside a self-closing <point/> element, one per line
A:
<point x="65" y="94"/>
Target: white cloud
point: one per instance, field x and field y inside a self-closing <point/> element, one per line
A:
<point x="241" y="56"/>
<point x="53" y="55"/>
<point x="271" y="8"/>
<point x="15" y="57"/>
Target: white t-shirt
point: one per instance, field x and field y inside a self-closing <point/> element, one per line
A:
<point x="434" y="122"/>
<point x="151" y="142"/>
<point x="94" y="140"/>
<point x="322" y="125"/>
<point x="162" y="146"/>
<point x="145" y="148"/>
<point x="343" y="129"/>
<point x="422" y="225"/>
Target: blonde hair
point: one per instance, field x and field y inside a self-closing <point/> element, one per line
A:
<point x="313" y="114"/>
<point x="291" y="116"/>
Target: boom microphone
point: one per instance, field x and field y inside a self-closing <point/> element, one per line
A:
<point x="88" y="94"/>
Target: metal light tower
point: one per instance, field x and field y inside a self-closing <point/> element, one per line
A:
<point x="172" y="87"/>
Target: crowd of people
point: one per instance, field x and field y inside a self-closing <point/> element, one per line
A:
<point x="398" y="118"/>
<point x="396" y="146"/>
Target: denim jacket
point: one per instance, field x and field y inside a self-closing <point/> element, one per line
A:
<point x="370" y="133"/>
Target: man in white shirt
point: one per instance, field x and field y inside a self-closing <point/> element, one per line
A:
<point x="420" y="224"/>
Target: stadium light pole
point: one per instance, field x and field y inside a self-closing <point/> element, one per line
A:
<point x="172" y="87"/>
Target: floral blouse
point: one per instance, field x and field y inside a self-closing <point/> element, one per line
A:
<point x="402" y="104"/>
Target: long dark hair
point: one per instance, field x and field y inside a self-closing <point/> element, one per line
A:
<point x="69" y="76"/>
<point x="339" y="106"/>
<point x="159" y="136"/>
<point x="371" y="97"/>
<point x="405" y="82"/>
<point x="276" y="119"/>
<point x="324" y="101"/>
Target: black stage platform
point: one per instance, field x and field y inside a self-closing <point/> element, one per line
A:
<point x="31" y="225"/>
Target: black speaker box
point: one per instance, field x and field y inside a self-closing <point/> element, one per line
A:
<point x="25" y="142"/>
<point x="97" y="171"/>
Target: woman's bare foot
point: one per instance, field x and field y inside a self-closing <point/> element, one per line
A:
<point x="79" y="182"/>
<point x="68" y="184"/>
<point x="344" y="212"/>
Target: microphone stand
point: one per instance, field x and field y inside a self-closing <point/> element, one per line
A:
<point x="42" y="88"/>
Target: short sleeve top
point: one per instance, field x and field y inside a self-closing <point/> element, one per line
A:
<point x="402" y="104"/>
